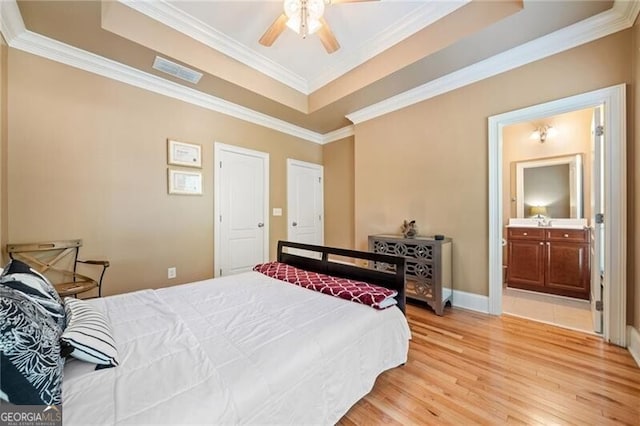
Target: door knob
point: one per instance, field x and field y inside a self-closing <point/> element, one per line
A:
<point x="294" y="224"/>
<point x="260" y="225"/>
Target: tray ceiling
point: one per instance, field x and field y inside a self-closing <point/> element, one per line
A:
<point x="387" y="47"/>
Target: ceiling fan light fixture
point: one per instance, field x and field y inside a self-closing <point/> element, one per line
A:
<point x="304" y="15"/>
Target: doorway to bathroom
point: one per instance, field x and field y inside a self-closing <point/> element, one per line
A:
<point x="602" y="226"/>
<point x="548" y="169"/>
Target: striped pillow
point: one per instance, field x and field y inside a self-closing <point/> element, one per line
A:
<point x="88" y="334"/>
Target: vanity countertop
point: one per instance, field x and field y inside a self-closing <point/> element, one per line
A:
<point x="551" y="223"/>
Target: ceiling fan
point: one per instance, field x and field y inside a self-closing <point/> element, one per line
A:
<point x="305" y="18"/>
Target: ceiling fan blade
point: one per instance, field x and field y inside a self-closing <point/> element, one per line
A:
<point x="327" y="38"/>
<point x="274" y="30"/>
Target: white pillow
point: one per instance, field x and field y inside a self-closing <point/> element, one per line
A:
<point x="389" y="301"/>
<point x="88" y="333"/>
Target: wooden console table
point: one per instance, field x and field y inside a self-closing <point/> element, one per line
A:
<point x="428" y="267"/>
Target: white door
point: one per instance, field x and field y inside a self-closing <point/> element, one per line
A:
<point x="241" y="209"/>
<point x="597" y="211"/>
<point x="305" y="202"/>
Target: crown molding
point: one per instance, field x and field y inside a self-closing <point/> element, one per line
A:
<point x="11" y="23"/>
<point x="621" y="16"/>
<point x="18" y="37"/>
<point x="175" y="18"/>
<point x="336" y="135"/>
<point x="392" y="35"/>
<point x="628" y="10"/>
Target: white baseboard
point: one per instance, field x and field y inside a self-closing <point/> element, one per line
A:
<point x="471" y="301"/>
<point x="633" y="340"/>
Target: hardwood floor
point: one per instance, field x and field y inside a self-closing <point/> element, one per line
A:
<point x="471" y="368"/>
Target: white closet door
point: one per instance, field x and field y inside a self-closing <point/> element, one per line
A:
<point x="242" y="209"/>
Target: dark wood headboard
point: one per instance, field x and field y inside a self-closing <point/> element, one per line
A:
<point x="393" y="280"/>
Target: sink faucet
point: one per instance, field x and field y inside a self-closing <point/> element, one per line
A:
<point x="543" y="221"/>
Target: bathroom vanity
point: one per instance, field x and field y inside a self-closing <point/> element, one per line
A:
<point x="553" y="258"/>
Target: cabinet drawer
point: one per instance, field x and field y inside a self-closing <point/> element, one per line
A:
<point x="525" y="234"/>
<point x="572" y="235"/>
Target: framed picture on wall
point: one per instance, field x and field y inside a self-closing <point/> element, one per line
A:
<point x="184" y="154"/>
<point x="184" y="182"/>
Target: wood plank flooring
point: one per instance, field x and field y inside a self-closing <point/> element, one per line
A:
<point x="471" y="368"/>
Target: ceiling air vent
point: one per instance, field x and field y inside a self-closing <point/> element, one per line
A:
<point x="177" y="70"/>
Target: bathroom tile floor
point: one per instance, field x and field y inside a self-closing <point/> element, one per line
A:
<point x="561" y="311"/>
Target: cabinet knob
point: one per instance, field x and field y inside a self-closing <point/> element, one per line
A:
<point x="525" y="233"/>
<point x="566" y="235"/>
<point x="541" y="243"/>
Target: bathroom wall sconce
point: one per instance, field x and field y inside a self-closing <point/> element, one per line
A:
<point x="543" y="132"/>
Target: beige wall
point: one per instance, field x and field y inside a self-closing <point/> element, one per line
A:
<point x="88" y="159"/>
<point x="633" y="296"/>
<point x="3" y="143"/>
<point x="573" y="137"/>
<point x="339" y="193"/>
<point x="429" y="161"/>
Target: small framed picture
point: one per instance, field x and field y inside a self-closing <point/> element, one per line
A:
<point x="184" y="182"/>
<point x="184" y="154"/>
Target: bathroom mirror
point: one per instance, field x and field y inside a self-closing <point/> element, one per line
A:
<point x="550" y="187"/>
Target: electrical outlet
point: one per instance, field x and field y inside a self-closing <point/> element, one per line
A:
<point x="171" y="272"/>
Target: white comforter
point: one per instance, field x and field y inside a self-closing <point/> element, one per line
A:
<point x="239" y="349"/>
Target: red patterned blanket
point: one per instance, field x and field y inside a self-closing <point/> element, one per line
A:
<point x="355" y="291"/>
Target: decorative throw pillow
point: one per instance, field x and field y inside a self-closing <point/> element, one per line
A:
<point x="21" y="277"/>
<point x="88" y="334"/>
<point x="30" y="362"/>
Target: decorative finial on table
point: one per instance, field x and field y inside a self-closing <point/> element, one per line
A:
<point x="409" y="229"/>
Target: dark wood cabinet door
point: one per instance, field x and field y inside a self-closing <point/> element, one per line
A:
<point x="526" y="264"/>
<point x="568" y="268"/>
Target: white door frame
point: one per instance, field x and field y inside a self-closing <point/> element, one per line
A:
<point x="615" y="182"/>
<point x="320" y="168"/>
<point x="218" y="147"/>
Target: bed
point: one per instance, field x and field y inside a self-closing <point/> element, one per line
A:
<point x="242" y="349"/>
